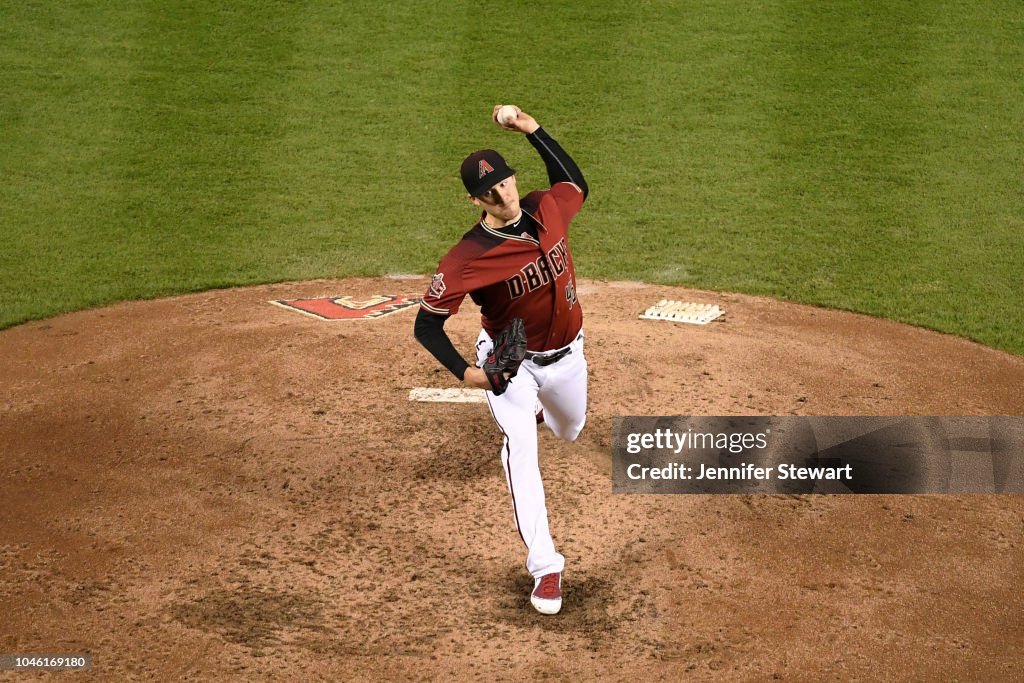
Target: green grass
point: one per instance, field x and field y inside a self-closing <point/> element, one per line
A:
<point x="862" y="156"/>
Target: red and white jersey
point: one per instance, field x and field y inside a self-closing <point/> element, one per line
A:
<point x="509" y="274"/>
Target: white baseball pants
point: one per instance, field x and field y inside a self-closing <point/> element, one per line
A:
<point x="561" y="389"/>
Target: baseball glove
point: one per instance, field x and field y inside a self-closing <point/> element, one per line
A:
<point x="507" y="355"/>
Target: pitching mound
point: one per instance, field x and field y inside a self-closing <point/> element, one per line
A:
<point x="214" y="487"/>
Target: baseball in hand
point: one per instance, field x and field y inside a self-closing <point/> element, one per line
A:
<point x="507" y="114"/>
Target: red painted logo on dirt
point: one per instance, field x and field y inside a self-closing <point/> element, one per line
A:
<point x="350" y="308"/>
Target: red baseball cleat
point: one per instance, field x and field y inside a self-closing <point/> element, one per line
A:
<point x="547" y="593"/>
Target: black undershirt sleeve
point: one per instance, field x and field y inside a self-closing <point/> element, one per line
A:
<point x="561" y="167"/>
<point x="429" y="331"/>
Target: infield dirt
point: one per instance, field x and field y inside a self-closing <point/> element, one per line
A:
<point x="211" y="487"/>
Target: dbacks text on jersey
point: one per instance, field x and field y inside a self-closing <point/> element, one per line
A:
<point x="538" y="273"/>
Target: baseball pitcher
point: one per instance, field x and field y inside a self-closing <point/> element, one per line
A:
<point x="516" y="265"/>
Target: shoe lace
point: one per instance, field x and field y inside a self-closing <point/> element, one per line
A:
<point x="548" y="587"/>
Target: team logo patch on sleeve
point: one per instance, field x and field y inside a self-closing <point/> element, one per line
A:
<point x="349" y="308"/>
<point x="437" y="286"/>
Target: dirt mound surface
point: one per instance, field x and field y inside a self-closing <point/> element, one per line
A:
<point x="214" y="487"/>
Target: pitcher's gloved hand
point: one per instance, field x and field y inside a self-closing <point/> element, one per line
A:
<point x="507" y="355"/>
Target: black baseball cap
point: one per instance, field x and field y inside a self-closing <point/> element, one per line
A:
<point x="483" y="170"/>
